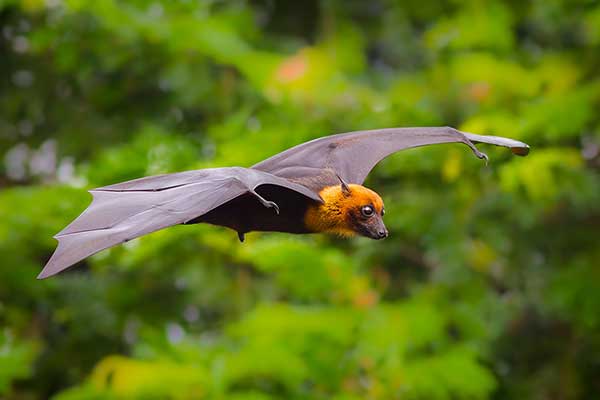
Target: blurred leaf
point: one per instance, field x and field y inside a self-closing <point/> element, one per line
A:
<point x="16" y="360"/>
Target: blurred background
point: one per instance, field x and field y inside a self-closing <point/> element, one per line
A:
<point x="487" y="288"/>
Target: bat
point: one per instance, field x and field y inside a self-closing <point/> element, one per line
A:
<point x="313" y="187"/>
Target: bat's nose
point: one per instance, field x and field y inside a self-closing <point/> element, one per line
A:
<point x="376" y="229"/>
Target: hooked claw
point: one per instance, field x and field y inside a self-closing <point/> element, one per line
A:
<point x="272" y="204"/>
<point x="267" y="203"/>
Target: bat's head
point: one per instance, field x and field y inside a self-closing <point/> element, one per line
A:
<point x="364" y="211"/>
<point x="348" y="210"/>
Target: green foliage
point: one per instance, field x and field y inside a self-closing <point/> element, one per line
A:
<point x="487" y="287"/>
<point x="15" y="360"/>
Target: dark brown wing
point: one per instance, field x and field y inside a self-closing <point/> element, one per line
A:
<point x="124" y="211"/>
<point x="353" y="155"/>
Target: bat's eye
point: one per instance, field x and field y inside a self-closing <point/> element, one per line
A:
<point x="367" y="211"/>
<point x="382" y="212"/>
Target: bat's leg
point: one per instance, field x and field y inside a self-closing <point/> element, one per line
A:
<point x="266" y="203"/>
<point x="241" y="236"/>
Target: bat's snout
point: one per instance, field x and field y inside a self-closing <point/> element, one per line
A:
<point x="376" y="230"/>
<point x="379" y="233"/>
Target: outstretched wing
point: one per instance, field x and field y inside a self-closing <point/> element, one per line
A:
<point x="353" y="155"/>
<point x="124" y="211"/>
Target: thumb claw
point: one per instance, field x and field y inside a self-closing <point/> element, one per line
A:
<point x="275" y="206"/>
<point x="485" y="158"/>
<point x="267" y="203"/>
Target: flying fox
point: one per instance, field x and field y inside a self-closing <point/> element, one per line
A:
<point x="314" y="187"/>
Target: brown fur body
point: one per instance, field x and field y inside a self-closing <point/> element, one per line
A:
<point x="340" y="212"/>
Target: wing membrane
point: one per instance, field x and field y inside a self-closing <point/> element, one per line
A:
<point x="124" y="211"/>
<point x="353" y="155"/>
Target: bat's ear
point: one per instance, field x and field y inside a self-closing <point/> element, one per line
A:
<point x="344" y="186"/>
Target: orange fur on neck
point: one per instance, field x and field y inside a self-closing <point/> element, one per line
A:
<point x="333" y="215"/>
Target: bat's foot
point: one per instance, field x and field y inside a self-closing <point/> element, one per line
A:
<point x="241" y="236"/>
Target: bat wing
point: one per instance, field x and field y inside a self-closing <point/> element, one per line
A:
<point x="353" y="155"/>
<point x="127" y="210"/>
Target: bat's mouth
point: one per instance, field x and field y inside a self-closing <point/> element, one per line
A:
<point x="375" y="231"/>
<point x="380" y="234"/>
